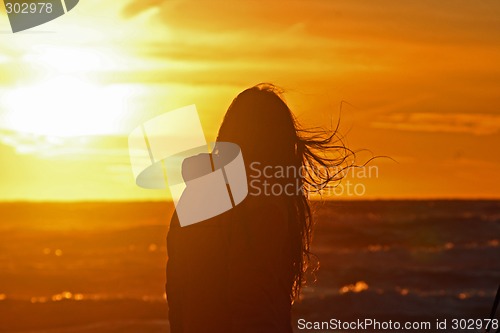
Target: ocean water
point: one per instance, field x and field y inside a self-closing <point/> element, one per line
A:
<point x="405" y="260"/>
<point x="100" y="267"/>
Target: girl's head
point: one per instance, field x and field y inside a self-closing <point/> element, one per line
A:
<point x="260" y="122"/>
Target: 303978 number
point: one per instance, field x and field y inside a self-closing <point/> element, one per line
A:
<point x="28" y="8"/>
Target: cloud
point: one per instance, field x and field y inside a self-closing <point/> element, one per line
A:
<point x="439" y="22"/>
<point x="106" y="148"/>
<point x="477" y="124"/>
<point x="319" y="41"/>
<point x="135" y="8"/>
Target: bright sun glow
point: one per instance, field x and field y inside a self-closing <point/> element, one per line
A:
<point x="63" y="99"/>
<point x="67" y="106"/>
<point x="66" y="60"/>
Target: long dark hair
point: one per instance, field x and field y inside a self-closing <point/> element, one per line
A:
<point x="262" y="124"/>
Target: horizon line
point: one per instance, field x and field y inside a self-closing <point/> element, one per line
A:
<point x="112" y="201"/>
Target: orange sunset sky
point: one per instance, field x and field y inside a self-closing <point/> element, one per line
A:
<point x="422" y="78"/>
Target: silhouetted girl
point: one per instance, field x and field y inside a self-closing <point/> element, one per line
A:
<point x="241" y="271"/>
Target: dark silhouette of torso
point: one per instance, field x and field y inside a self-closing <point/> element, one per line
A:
<point x="232" y="273"/>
